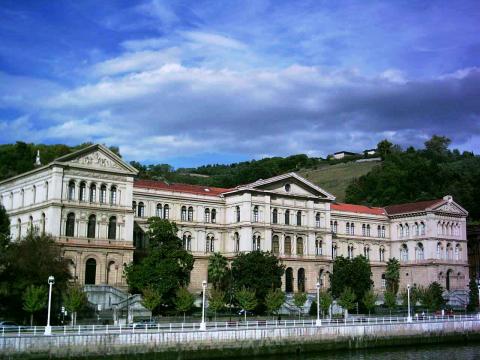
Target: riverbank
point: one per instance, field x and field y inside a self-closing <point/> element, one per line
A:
<point x="234" y="343"/>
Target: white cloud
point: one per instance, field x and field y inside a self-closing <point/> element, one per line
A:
<point x="213" y="40"/>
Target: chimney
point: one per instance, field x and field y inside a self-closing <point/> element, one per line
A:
<point x="37" y="159"/>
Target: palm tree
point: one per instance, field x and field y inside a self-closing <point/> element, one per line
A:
<point x="217" y="270"/>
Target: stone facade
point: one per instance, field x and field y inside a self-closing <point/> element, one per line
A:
<point x="92" y="204"/>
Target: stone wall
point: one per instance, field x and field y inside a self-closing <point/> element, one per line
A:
<point x="222" y="343"/>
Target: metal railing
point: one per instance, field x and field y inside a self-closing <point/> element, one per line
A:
<point x="224" y="325"/>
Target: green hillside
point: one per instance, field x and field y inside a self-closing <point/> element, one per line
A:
<point x="336" y="178"/>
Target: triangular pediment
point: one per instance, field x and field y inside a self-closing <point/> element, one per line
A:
<point x="97" y="157"/>
<point x="451" y="207"/>
<point x="288" y="184"/>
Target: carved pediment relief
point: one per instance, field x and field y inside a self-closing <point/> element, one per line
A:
<point x="96" y="159"/>
<point x="449" y="208"/>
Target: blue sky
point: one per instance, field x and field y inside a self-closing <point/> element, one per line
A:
<point x="199" y="82"/>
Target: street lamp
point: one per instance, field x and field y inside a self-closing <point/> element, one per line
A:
<point x="48" y="328"/>
<point x="203" y="326"/>
<point x="479" y="300"/>
<point x="409" y="317"/>
<point x="318" y="322"/>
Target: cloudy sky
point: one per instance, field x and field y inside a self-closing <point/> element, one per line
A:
<point x="196" y="82"/>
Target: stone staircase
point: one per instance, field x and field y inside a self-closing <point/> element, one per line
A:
<point x="457" y="299"/>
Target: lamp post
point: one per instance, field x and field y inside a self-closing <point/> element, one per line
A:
<point x="203" y="326"/>
<point x="318" y="322"/>
<point x="409" y="317"/>
<point x="48" y="328"/>
<point x="479" y="300"/>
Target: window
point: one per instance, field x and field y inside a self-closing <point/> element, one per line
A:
<point x="92" y="222"/>
<point x="141" y="209"/>
<point x="400" y="231"/>
<point x="237" y="213"/>
<point x="236" y="242"/>
<point x="368" y="229"/>
<point x="158" y="211"/>
<point x="255" y="213"/>
<point x="134" y="207"/>
<point x="288" y="245"/>
<point x="70" y="225"/>
<point x="364" y="230"/>
<point x="207" y="215"/>
<point x="381" y="254"/>
<point x="183" y="213"/>
<point x="299" y="218"/>
<point x="419" y="252"/>
<point x="166" y="211"/>
<point x="22" y="197"/>
<point x="46" y="190"/>
<point x="335" y="227"/>
<point x="379" y="231"/>
<point x="34" y="193"/>
<point x="458" y="252"/>
<point x="300" y="246"/>
<point x="383" y="231"/>
<point x="214" y="216"/>
<point x="350" y="251"/>
<point x="334" y="250"/>
<point x="449" y="252"/>
<point x="407" y="230"/>
<point x="352" y="229"/>
<point x="422" y="229"/>
<point x="404" y="252"/>
<point x="318" y="247"/>
<point x="190" y="213"/>
<point x="112" y="228"/>
<point x="103" y="194"/>
<point x="416" y="229"/>
<point x="187" y="241"/>
<point x="287" y="187"/>
<point x="347" y="228"/>
<point x="366" y="252"/>
<point x="317" y="220"/>
<point x="210" y="244"/>
<point x="275" y="245"/>
<point x="384" y="281"/>
<point x="275" y="216"/>
<point x="287" y="217"/>
<point x="113" y="195"/>
<point x="71" y="190"/>
<point x="256" y="242"/>
<point x="82" y="195"/>
<point x="439" y="250"/>
<point x="30" y="224"/>
<point x="93" y="193"/>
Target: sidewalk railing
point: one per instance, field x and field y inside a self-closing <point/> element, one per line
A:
<point x="224" y="325"/>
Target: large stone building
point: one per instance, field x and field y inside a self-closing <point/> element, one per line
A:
<point x="92" y="204"/>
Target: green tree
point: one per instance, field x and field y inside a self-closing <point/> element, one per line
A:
<point x="167" y="265"/>
<point x="274" y="300"/>
<point x="74" y="300"/>
<point x="415" y="297"/>
<point x="431" y="297"/>
<point x="217" y="270"/>
<point x="151" y="299"/>
<point x="246" y="299"/>
<point x="258" y="271"/>
<point x="384" y="148"/>
<point x="438" y="144"/>
<point x="326" y="301"/>
<point x="392" y="275"/>
<point x="472" y="295"/>
<point x="299" y="300"/>
<point x="184" y="301"/>
<point x="390" y="300"/>
<point x="34" y="299"/>
<point x="216" y="300"/>
<point x="369" y="299"/>
<point x="4" y="228"/>
<point x="347" y="299"/>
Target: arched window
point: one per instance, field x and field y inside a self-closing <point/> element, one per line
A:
<point x="237" y="213"/>
<point x="275" y="216"/>
<point x="381" y="254"/>
<point x="275" y="245"/>
<point x="71" y="190"/>
<point x="458" y="252"/>
<point x="134" y="207"/>
<point x="300" y="246"/>
<point x="30" y="224"/>
<point x="90" y="272"/>
<point x="103" y="194"/>
<point x="92" y="222"/>
<point x="352" y="229"/>
<point x="366" y="252"/>
<point x="383" y="231"/>
<point x="214" y="216"/>
<point x="187" y="241"/>
<point x="334" y="250"/>
<point x="301" y="280"/>
<point x="384" y="281"/>
<point x="236" y="242"/>
<point x="350" y="251"/>
<point x="318" y="247"/>
<point x="364" y="230"/>
<point x="335" y="227"/>
<point x="288" y="246"/>
<point x="113" y="195"/>
<point x="82" y="195"/>
<point x="46" y="190"/>
<point x="183" y="213"/>
<point x="379" y="231"/>
<point x="419" y="252"/>
<point x="93" y="193"/>
<point x="439" y="250"/>
<point x="207" y="215"/>
<point x="43" y="223"/>
<point x="190" y="213"/>
<point x="287" y="217"/>
<point x="400" y="231"/>
<point x="404" y="252"/>
<point x="347" y="228"/>
<point x="255" y="213"/>
<point x="256" y="242"/>
<point x="158" y="211"/>
<point x="368" y="229"/>
<point x="449" y="252"/>
<point x="141" y="209"/>
<point x="22" y="197"/>
<point x="416" y="228"/>
<point x="34" y="193"/>
<point x="317" y="220"/>
<point x="19" y="227"/>
<point x="112" y="228"/>
<point x="166" y="211"/>
<point x="70" y="225"/>
<point x="299" y="218"/>
<point x="422" y="229"/>
<point x="407" y="230"/>
<point x="289" y="280"/>
<point x="210" y="244"/>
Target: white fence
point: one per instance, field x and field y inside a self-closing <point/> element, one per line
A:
<point x="10" y="331"/>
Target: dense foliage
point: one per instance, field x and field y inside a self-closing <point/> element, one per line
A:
<point x="425" y="174"/>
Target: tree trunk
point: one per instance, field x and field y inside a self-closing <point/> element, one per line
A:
<point x="184" y="316"/>
<point x="245" y="315"/>
<point x="31" y="319"/>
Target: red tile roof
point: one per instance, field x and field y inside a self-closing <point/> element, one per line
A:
<point x="412" y="207"/>
<point x="360" y="209"/>
<point x="185" y="188"/>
